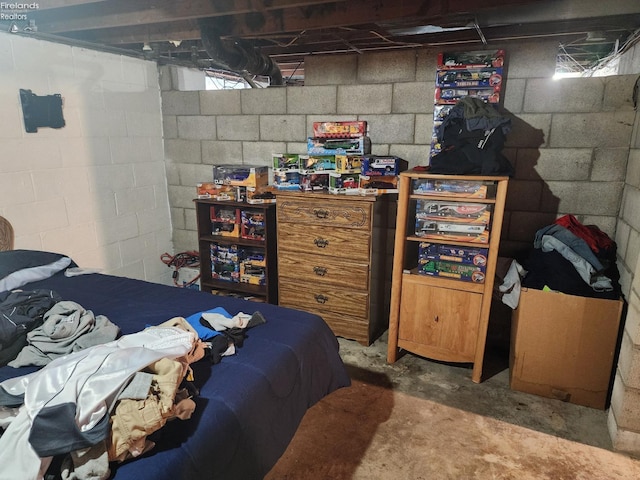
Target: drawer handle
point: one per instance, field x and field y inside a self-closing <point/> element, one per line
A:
<point x="320" y="271"/>
<point x="321" y="213"/>
<point x="436" y="319"/>
<point x="320" y="298"/>
<point x="321" y="242"/>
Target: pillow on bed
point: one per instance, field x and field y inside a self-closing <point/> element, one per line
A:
<point x="19" y="267"/>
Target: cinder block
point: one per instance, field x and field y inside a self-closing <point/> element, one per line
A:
<point x="221" y="152"/>
<point x="605" y="223"/>
<point x="259" y="153"/>
<point x="524" y="195"/>
<point x="196" y="127"/>
<point x="535" y="59"/>
<point x="149" y="173"/>
<point x="618" y="92"/>
<point x="220" y="102"/>
<point x="545" y="95"/>
<point x="561" y="164"/>
<point x="120" y="227"/>
<point x="633" y="249"/>
<point x="513" y="94"/>
<point x="630" y="210"/>
<point x="413" y="97"/>
<point x="185" y="240"/>
<point x="632" y="322"/>
<point x="609" y="164"/>
<point x="387" y="67"/>
<point x="624" y="441"/>
<point x="177" y="218"/>
<point x="180" y="103"/>
<point x="524" y="225"/>
<point x="69" y="240"/>
<point x="633" y="168"/>
<point x="629" y="362"/>
<point x="263" y="101"/>
<point x="284" y="128"/>
<point x="238" y="127"/>
<point x="193" y="173"/>
<point x="414" y="154"/>
<point x="426" y="63"/>
<point x="625" y="403"/>
<point x="181" y="196"/>
<point x="364" y="99"/>
<point x="396" y="129"/>
<point x="424" y="129"/>
<point x="182" y="151"/>
<point x="529" y="130"/>
<point x="319" y="100"/>
<point x="164" y="77"/>
<point x="170" y="126"/>
<point x="603" y="129"/>
<point x="622" y="237"/>
<point x="131" y="200"/>
<point x="330" y="69"/>
<point x="588" y="198"/>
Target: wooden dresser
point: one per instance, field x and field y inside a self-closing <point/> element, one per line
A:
<point x="332" y="260"/>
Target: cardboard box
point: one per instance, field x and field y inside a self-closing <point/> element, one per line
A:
<point x="564" y="346"/>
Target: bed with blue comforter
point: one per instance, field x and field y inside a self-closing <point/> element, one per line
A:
<point x="248" y="406"/>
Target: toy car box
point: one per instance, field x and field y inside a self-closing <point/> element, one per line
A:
<point x="320" y="162"/>
<point x="336" y="146"/>
<point x="344" y="183"/>
<point x="377" y="165"/>
<point x="453" y="188"/>
<point x="286" y="179"/>
<point x="224" y="262"/>
<point x="253" y="267"/>
<point x="348" y="163"/>
<point x="473" y="59"/>
<point x="352" y="129"/>
<point x="259" y="195"/>
<point x="287" y="161"/>
<point x="206" y="190"/>
<point x="453" y="253"/>
<point x="241" y="175"/>
<point x="312" y="181"/>
<point x="454" y="232"/>
<point x="377" y="185"/>
<point x="225" y="221"/>
<point x="460" y="271"/>
<point x="486" y="77"/>
<point x="253" y="225"/>
<point x="453" y="212"/>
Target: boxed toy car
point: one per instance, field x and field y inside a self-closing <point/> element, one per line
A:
<point x="470" y="78"/>
<point x="206" y="190"/>
<point x="224" y="262"/>
<point x="311" y="181"/>
<point x="381" y="165"/>
<point x="377" y="185"/>
<point x="253" y="225"/>
<point x="241" y="175"/>
<point x="454" y="232"/>
<point x="453" y="212"/>
<point x="348" y="163"/>
<point x="460" y="271"/>
<point x="348" y="129"/>
<point x="453" y="188"/>
<point x="336" y="146"/>
<point x="320" y="162"/>
<point x="258" y="195"/>
<point x="344" y="183"/>
<point x="453" y="253"/>
<point x="253" y="267"/>
<point x="225" y="221"/>
<point x="286" y="161"/>
<point x="286" y="179"/>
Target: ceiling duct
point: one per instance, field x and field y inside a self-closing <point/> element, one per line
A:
<point x="239" y="55"/>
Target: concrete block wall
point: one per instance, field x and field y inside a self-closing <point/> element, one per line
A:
<point x="96" y="188"/>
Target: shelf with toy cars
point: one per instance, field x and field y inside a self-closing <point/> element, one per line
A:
<point x="237" y="246"/>
<point x="446" y="247"/>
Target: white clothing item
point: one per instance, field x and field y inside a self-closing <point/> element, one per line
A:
<point x="511" y="285"/>
<point x="219" y="322"/>
<point x="90" y="379"/>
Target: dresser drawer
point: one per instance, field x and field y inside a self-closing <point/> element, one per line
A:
<point x="325" y="212"/>
<point x="324" y="270"/>
<point x="342" y="243"/>
<point x="323" y="298"/>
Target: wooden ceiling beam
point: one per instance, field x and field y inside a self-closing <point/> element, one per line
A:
<point x="122" y="13"/>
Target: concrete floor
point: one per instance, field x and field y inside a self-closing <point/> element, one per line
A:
<point x="451" y="385"/>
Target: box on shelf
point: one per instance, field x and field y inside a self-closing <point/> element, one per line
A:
<point x="311" y="181"/>
<point x="286" y="179"/>
<point x="453" y="253"/>
<point x="453" y="188"/>
<point x="474" y="59"/>
<point x="460" y="271"/>
<point x="224" y="262"/>
<point x="344" y="183"/>
<point x="259" y="195"/>
<point x="225" y="221"/>
<point x="563" y="346"/>
<point x="241" y="175"/>
<point x="453" y="212"/>
<point x="320" y="163"/>
<point x="377" y="185"/>
<point x="253" y="268"/>
<point x="348" y="163"/>
<point x="337" y="146"/>
<point x="206" y="190"/>
<point x="287" y="161"/>
<point x="253" y="225"/>
<point x="347" y="129"/>
<point x="453" y="232"/>
<point x="382" y="165"/>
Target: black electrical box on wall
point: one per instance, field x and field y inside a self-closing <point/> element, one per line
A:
<point x="41" y="110"/>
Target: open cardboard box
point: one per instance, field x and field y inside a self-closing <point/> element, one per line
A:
<point x="564" y="346"/>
